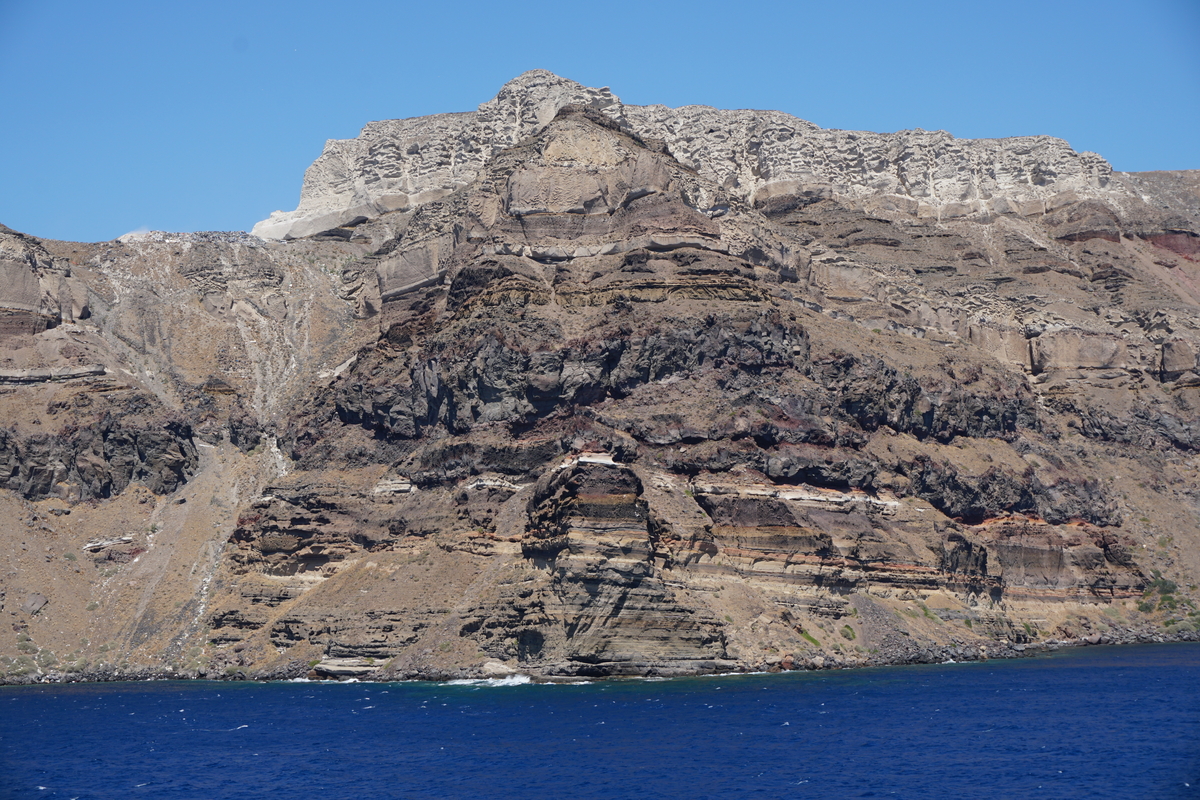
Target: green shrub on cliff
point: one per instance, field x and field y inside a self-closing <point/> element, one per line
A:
<point x="22" y="665"/>
<point x="1159" y="595"/>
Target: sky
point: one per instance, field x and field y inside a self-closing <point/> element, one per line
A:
<point x="122" y="116"/>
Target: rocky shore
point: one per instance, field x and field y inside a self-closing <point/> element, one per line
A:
<point x="898" y="656"/>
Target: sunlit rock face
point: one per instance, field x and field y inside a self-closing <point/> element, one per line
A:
<point x="401" y="164"/>
<point x="758" y="157"/>
<point x="571" y="388"/>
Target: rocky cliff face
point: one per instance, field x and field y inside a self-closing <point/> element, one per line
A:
<point x="568" y="387"/>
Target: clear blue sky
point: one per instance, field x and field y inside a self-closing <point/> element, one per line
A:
<point x="203" y="116"/>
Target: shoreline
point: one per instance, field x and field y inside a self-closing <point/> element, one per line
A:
<point x="298" y="671"/>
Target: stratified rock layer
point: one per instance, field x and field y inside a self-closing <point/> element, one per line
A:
<point x="571" y="388"/>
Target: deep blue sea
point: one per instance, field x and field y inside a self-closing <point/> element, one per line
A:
<point x="1104" y="722"/>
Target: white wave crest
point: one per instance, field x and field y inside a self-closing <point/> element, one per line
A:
<point x="508" y="680"/>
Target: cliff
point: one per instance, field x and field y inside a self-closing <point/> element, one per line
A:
<point x="568" y="387"/>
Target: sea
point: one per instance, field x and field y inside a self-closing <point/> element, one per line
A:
<point x="1097" y="722"/>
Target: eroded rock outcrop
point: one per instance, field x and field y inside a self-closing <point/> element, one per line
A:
<point x="38" y="292"/>
<point x="758" y="157"/>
